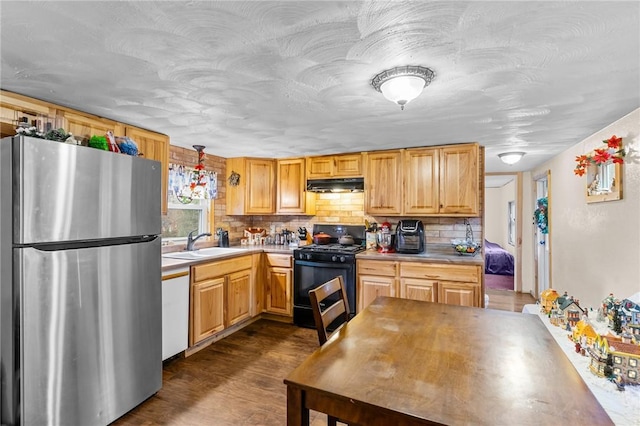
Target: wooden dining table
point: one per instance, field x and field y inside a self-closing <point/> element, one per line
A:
<point x="405" y="362"/>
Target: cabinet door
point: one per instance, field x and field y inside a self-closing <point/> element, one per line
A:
<point x="459" y="177"/>
<point x="83" y="126"/>
<point x="278" y="292"/>
<point x="421" y="168"/>
<point x="347" y="165"/>
<point x="291" y="185"/>
<point x="455" y="293"/>
<point x="370" y="287"/>
<point x="319" y="167"/>
<point x="238" y="297"/>
<point x="416" y="289"/>
<point x="383" y="183"/>
<point x="208" y="309"/>
<point x="153" y="146"/>
<point x="260" y="190"/>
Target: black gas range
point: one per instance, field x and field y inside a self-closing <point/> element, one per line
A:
<point x="316" y="264"/>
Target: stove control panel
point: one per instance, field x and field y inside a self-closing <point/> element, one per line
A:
<point x="324" y="257"/>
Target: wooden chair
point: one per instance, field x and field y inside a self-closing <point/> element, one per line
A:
<point x="324" y="317"/>
<point x="339" y="309"/>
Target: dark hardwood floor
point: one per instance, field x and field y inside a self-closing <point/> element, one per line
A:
<point x="507" y="300"/>
<point x="239" y="380"/>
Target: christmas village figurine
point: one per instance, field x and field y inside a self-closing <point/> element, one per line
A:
<point x="547" y="297"/>
<point x="615" y="355"/>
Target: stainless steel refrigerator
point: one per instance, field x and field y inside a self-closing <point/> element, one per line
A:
<point x="80" y="295"/>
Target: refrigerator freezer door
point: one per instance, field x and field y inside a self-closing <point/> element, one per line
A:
<point x="75" y="193"/>
<point x="91" y="332"/>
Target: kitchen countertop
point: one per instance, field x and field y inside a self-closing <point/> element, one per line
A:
<point x="434" y="253"/>
<point x="170" y="263"/>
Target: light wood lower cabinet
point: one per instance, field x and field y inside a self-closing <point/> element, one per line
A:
<point x="208" y="309"/>
<point x="371" y="287"/>
<point x="375" y="278"/>
<point x="418" y="289"/>
<point x="453" y="284"/>
<point x="456" y="293"/>
<point x="221" y="296"/>
<point x="279" y="284"/>
<point x="238" y="297"/>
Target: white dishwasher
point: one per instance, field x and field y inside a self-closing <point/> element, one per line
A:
<point x="175" y="311"/>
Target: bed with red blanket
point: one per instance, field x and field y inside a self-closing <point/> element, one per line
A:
<point x="497" y="260"/>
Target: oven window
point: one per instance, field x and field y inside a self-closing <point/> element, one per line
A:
<point x="309" y="275"/>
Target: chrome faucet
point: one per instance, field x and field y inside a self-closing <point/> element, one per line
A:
<point x="191" y="239"/>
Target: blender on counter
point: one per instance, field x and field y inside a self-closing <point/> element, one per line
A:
<point x="385" y="238"/>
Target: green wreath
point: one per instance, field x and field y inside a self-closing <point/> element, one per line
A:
<point x="541" y="215"/>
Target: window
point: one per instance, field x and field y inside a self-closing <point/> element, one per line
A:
<point x="633" y="362"/>
<point x="632" y="374"/>
<point x="184" y="218"/>
<point x="512" y="222"/>
<point x="617" y="360"/>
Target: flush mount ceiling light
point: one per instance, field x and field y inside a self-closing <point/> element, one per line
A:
<point x="511" y="157"/>
<point x="401" y="85"/>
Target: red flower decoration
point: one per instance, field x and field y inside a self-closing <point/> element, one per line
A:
<point x="601" y="156"/>
<point x="613" y="142"/>
<point x="612" y="152"/>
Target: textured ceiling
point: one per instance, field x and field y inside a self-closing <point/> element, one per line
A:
<point x="286" y="78"/>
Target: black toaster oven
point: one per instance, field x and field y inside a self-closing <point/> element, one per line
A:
<point x="409" y="237"/>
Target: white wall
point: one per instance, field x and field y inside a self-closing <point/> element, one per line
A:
<point x="492" y="217"/>
<point x="595" y="248"/>
<point x="496" y="214"/>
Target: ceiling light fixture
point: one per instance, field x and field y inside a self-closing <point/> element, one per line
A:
<point x="511" y="157"/>
<point x="401" y="85"/>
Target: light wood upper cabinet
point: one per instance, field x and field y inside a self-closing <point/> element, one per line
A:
<point x="256" y="191"/>
<point x="13" y="107"/>
<point x="154" y="146"/>
<point x="330" y="166"/>
<point x="292" y="197"/>
<point x="421" y="177"/>
<point x="84" y="126"/>
<point x="459" y="179"/>
<point x="434" y="181"/>
<point x="383" y="182"/>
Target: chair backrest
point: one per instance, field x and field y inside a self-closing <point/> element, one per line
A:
<point x="325" y="315"/>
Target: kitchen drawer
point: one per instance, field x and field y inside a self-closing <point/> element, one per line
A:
<point x="279" y="260"/>
<point x="376" y="267"/>
<point x="460" y="273"/>
<point x="220" y="268"/>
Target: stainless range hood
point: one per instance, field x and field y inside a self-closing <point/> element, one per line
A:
<point x="336" y="185"/>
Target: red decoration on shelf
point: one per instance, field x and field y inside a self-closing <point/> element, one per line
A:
<point x="613" y="152"/>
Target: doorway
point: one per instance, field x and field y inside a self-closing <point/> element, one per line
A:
<point x="502" y="231"/>
<point x="542" y="232"/>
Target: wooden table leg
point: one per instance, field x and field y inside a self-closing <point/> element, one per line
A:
<point x="297" y="414"/>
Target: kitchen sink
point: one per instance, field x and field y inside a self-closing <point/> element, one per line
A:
<point x="200" y="254"/>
